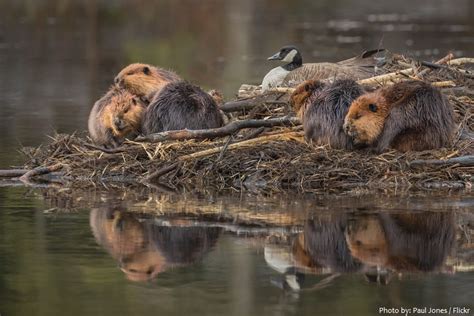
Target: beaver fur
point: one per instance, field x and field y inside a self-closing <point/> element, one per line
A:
<point x="144" y="249"/>
<point x="402" y="242"/>
<point x="419" y="242"/>
<point x="409" y="115"/>
<point x="144" y="80"/>
<point x="322" y="109"/>
<point x="114" y="117"/>
<point x="325" y="245"/>
<point x="181" y="105"/>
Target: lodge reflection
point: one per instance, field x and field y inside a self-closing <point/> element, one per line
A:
<point x="377" y="246"/>
<point x="144" y="248"/>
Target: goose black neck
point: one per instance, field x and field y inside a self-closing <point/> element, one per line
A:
<point x="295" y="63"/>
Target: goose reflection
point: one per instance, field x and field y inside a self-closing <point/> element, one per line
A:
<point x="377" y="246"/>
<point x="144" y="248"/>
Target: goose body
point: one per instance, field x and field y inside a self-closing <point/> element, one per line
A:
<point x="295" y="72"/>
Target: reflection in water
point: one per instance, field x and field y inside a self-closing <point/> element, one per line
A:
<point x="377" y="246"/>
<point x="144" y="248"/>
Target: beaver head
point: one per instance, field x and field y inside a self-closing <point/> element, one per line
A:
<point x="298" y="99"/>
<point x="366" y="117"/>
<point x="144" y="80"/>
<point x="123" y="114"/>
<point x="366" y="240"/>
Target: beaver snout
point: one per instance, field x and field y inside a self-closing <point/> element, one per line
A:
<point x="118" y="81"/>
<point x="119" y="124"/>
<point x="350" y="130"/>
<point x="347" y="128"/>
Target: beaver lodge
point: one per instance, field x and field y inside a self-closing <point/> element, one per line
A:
<point x="263" y="148"/>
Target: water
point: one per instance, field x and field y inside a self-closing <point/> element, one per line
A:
<point x="107" y="255"/>
<point x="95" y="252"/>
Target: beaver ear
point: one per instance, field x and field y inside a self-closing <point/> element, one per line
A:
<point x="146" y="70"/>
<point x="373" y="107"/>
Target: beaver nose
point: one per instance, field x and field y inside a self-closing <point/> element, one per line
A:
<point x="346" y="127"/>
<point x="119" y="123"/>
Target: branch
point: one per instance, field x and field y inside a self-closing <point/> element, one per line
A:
<point x="39" y="171"/>
<point x="12" y="173"/>
<point x="435" y="65"/>
<point x="246" y="143"/>
<point x="226" y="130"/>
<point x="464" y="161"/>
<point x="160" y="172"/>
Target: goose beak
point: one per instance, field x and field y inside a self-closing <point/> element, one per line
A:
<point x="275" y="57"/>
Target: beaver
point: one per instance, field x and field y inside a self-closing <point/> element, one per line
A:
<point x="322" y="108"/>
<point x="114" y="117"/>
<point x="409" y="115"/>
<point x="322" y="245"/>
<point x="181" y="105"/>
<point x="402" y="242"/>
<point x="144" y="80"/>
<point x="145" y="249"/>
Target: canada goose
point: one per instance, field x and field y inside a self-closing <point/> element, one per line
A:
<point x="295" y="72"/>
<point x="276" y="76"/>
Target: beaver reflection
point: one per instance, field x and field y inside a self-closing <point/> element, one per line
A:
<point x="373" y="245"/>
<point x="402" y="242"/>
<point x="144" y="249"/>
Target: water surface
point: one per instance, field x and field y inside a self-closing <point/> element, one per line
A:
<point x="135" y="256"/>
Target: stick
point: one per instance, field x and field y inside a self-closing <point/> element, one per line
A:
<point x="39" y="171"/>
<point x="106" y="150"/>
<point x="226" y="130"/>
<point x="162" y="171"/>
<point x="250" y="142"/>
<point x="239" y="105"/>
<point x="464" y="161"/>
<point x="438" y="64"/>
<point x="461" y="61"/>
<point x="444" y="84"/>
<point x="12" y="173"/>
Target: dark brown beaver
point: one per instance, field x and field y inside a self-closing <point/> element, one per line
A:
<point x="322" y="108"/>
<point x="402" y="242"/>
<point x="144" y="80"/>
<point x="181" y="105"/>
<point x="409" y="115"/>
<point x="114" y="117"/>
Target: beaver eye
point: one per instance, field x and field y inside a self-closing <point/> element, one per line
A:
<point x="125" y="111"/>
<point x="372" y="107"/>
<point x="134" y="102"/>
<point x="146" y="70"/>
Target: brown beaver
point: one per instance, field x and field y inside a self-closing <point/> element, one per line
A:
<point x="409" y="115"/>
<point x="145" y="249"/>
<point x="402" y="242"/>
<point x="181" y="105"/>
<point x="322" y="108"/>
<point x="114" y="117"/>
<point x="144" y="80"/>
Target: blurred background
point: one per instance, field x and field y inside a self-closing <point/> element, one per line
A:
<point x="57" y="57"/>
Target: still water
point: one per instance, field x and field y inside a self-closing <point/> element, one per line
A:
<point x="121" y="252"/>
<point x="154" y="254"/>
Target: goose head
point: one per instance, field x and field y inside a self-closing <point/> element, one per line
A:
<point x="290" y="55"/>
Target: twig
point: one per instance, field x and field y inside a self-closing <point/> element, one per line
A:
<point x="12" y="173"/>
<point x="229" y="129"/>
<point x="106" y="150"/>
<point x="438" y="63"/>
<point x="161" y="172"/>
<point x="465" y="161"/>
<point x="250" y="142"/>
<point x="39" y="171"/>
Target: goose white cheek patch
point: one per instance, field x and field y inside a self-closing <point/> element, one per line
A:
<point x="289" y="57"/>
